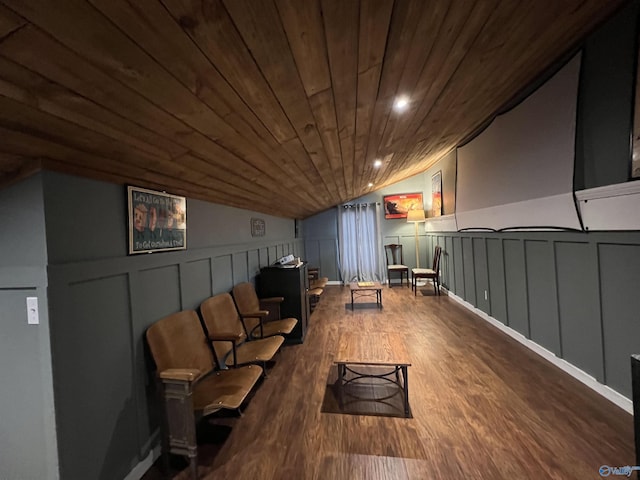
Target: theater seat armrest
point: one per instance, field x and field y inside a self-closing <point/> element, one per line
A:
<point x="272" y="300"/>
<point x="257" y="314"/>
<point x="225" y="337"/>
<point x="180" y="374"/>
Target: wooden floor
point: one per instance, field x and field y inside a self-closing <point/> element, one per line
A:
<point x="483" y="407"/>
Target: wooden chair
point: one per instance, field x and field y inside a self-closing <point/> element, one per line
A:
<point x="228" y="337"/>
<point x="395" y="262"/>
<point x="255" y="312"/>
<point x="428" y="273"/>
<point x="191" y="386"/>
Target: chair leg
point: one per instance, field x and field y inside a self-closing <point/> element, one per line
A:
<point x="193" y="466"/>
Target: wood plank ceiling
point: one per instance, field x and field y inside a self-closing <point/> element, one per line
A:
<point x="277" y="106"/>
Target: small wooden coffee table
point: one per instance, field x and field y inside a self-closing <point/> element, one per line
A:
<point x="380" y="349"/>
<point x="368" y="290"/>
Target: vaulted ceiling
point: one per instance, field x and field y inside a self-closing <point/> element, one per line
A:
<point x="277" y="106"/>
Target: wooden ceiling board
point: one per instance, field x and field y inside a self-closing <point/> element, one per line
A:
<point x="540" y="52"/>
<point x="123" y="60"/>
<point x="305" y="32"/>
<point x="341" y="25"/>
<point x="161" y="36"/>
<point x="278" y="106"/>
<point x="324" y="112"/>
<point x="23" y="117"/>
<point x="270" y="49"/>
<point x="210" y="27"/>
<point x="304" y="29"/>
<point x="65" y="67"/>
<point x="430" y="22"/>
<point x="220" y="180"/>
<point x="487" y="54"/>
<point x="69" y="70"/>
<point x="9" y="22"/>
<point x="20" y="84"/>
<point x="404" y="21"/>
<point x="25" y="142"/>
<point x="461" y="25"/>
<point x="375" y="18"/>
<point x="152" y="27"/>
<point x="10" y="162"/>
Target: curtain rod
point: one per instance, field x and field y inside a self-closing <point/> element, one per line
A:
<point x="351" y="205"/>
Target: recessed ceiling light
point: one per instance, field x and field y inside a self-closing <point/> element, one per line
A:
<point x="370" y="184"/>
<point x="401" y="103"/>
<point x="377" y="163"/>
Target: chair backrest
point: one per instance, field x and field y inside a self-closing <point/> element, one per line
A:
<point x="219" y="315"/>
<point x="393" y="253"/>
<point x="246" y="297"/>
<point x="247" y="301"/>
<point x="436" y="258"/>
<point x="178" y="341"/>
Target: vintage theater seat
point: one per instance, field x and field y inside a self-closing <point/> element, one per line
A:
<point x="225" y="330"/>
<point x="255" y="312"/>
<point x="192" y="387"/>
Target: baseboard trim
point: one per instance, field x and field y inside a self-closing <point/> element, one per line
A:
<point x="141" y="468"/>
<point x="607" y="392"/>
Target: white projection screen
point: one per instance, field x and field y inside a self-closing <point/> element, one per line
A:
<point x="518" y="173"/>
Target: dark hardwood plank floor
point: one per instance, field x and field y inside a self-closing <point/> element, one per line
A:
<point x="483" y="407"/>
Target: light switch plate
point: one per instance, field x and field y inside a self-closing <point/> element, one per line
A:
<point x="32" y="311"/>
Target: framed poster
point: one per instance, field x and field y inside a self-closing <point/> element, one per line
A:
<point x="397" y="206"/>
<point x="436" y="194"/>
<point x="157" y="221"/>
<point x="258" y="227"/>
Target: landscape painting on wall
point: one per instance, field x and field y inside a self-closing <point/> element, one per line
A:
<point x="157" y="221"/>
<point x="397" y="206"/>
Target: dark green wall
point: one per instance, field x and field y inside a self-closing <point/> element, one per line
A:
<point x="575" y="294"/>
<point x="27" y="426"/>
<point x="101" y="301"/>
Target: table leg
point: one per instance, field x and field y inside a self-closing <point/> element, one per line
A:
<point x="351" y="299"/>
<point x="406" y="390"/>
<point x="341" y="372"/>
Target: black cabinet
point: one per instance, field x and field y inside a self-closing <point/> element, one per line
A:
<point x="293" y="285"/>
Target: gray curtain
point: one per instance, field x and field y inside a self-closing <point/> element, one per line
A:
<point x="360" y="243"/>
